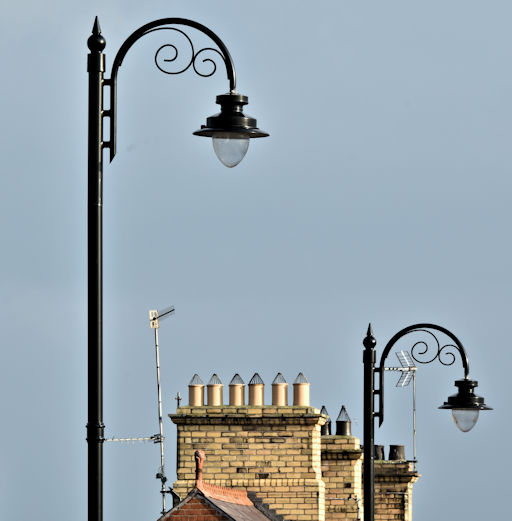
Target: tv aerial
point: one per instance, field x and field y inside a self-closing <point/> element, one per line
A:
<point x="408" y="373"/>
<point x="155" y="317"/>
<point x="154" y="322"/>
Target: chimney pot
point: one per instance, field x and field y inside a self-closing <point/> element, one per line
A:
<point x="279" y="391"/>
<point x="378" y="451"/>
<point x="301" y="391"/>
<point x="199" y="457"/>
<point x="214" y="390"/>
<point x="396" y="452"/>
<point x="196" y="392"/>
<point x="343" y="423"/>
<point x="256" y="390"/>
<point x="236" y="391"/>
<point x="325" y="429"/>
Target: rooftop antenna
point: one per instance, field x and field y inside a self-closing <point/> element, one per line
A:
<point x="408" y="370"/>
<point x="154" y="321"/>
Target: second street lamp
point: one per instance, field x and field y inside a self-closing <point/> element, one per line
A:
<point x="230" y="129"/>
<point x="465" y="405"/>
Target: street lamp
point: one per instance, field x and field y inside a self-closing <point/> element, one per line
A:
<point x="230" y="129"/>
<point x="465" y="405"/>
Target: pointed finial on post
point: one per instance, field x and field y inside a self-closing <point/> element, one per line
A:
<point x="96" y="29"/>
<point x="369" y="342"/>
<point x="96" y="42"/>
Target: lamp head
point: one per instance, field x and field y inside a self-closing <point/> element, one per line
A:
<point x="230" y="129"/>
<point x="465" y="405"/>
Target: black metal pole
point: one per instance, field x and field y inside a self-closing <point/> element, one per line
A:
<point x="369" y="427"/>
<point x="95" y="427"/>
<point x="96" y="146"/>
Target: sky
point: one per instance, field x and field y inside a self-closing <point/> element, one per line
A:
<point x="382" y="195"/>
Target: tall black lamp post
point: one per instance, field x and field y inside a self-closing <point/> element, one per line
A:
<point x="465" y="405"/>
<point x="230" y="129"/>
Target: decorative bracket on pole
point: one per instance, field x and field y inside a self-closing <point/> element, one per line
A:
<point x="423" y="352"/>
<point x="160" y="62"/>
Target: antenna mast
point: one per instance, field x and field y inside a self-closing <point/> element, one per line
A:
<point x="408" y="370"/>
<point x="154" y="321"/>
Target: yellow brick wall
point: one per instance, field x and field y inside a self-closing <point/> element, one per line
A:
<point x="272" y="451"/>
<point x="278" y="453"/>
<point x="393" y="490"/>
<point x="342" y="460"/>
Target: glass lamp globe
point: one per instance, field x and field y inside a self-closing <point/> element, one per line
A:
<point x="231" y="129"/>
<point x="465" y="405"/>
<point x="230" y="150"/>
<point x="465" y="419"/>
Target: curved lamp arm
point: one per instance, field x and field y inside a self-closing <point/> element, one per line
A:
<point x="445" y="357"/>
<point x="156" y="25"/>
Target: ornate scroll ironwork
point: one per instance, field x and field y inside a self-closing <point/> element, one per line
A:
<point x="193" y="56"/>
<point x="445" y="353"/>
<point x="440" y="350"/>
<point x="161" y="60"/>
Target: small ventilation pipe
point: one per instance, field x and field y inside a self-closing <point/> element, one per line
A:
<point x="196" y="392"/>
<point x="256" y="390"/>
<point x="396" y="452"/>
<point x="343" y="423"/>
<point x="301" y="391"/>
<point x="236" y="391"/>
<point x="325" y="429"/>
<point x="378" y="452"/>
<point x="279" y="391"/>
<point x="214" y="390"/>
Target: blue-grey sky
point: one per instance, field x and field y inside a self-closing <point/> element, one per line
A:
<point x="382" y="195"/>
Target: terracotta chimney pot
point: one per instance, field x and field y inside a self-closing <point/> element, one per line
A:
<point x="199" y="457"/>
<point x="236" y="391"/>
<point x="214" y="390"/>
<point x="196" y="392"/>
<point x="256" y="390"/>
<point x="279" y="391"/>
<point x="301" y="391"/>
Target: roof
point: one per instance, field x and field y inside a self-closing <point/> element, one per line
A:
<point x="233" y="503"/>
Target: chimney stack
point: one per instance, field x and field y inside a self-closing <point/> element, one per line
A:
<point x="301" y="391"/>
<point x="256" y="390"/>
<point x="236" y="391"/>
<point x="325" y="429"/>
<point x="343" y="423"/>
<point x="196" y="392"/>
<point x="279" y="391"/>
<point x="214" y="390"/>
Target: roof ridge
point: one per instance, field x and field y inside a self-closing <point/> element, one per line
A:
<point x="230" y="495"/>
